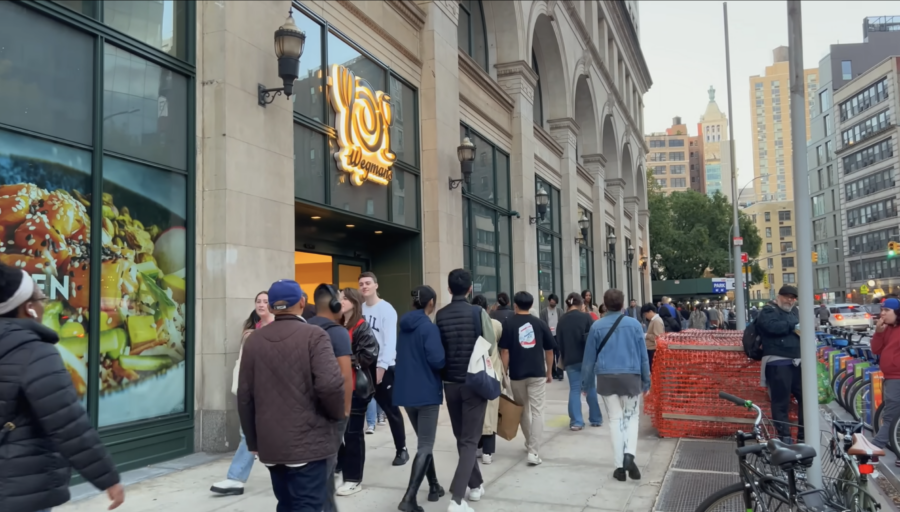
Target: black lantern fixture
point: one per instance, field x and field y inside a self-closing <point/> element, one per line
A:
<point x="611" y="246"/>
<point x="541" y="199"/>
<point x="630" y="255"/>
<point x="466" y="154"/>
<point x="289" y="44"/>
<point x="584" y="224"/>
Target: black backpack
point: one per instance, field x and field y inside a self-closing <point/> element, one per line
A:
<point x="752" y="343"/>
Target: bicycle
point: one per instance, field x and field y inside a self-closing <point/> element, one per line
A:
<point x="847" y="463"/>
<point x="763" y="487"/>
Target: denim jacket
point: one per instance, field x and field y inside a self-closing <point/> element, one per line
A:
<point x="625" y="352"/>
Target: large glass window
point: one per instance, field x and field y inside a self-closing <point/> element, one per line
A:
<point x="127" y="301"/>
<point x="487" y="236"/>
<point x="471" y="32"/>
<point x="317" y="177"/>
<point x="549" y="245"/>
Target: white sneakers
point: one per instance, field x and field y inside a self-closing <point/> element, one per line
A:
<point x="228" y="488"/>
<point x="533" y="459"/>
<point x="476" y="494"/>
<point x="486" y="458"/>
<point x="338" y="481"/>
<point x="349" y="488"/>
<point x="462" y="506"/>
<point x="370" y="429"/>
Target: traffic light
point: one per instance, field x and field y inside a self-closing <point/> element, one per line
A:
<point x="815" y="257"/>
<point x="893" y="249"/>
<point x="744" y="258"/>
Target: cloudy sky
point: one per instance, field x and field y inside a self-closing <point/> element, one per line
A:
<point x="684" y="44"/>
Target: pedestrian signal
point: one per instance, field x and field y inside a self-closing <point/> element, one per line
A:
<point x="815" y="257"/>
<point x="893" y="249"/>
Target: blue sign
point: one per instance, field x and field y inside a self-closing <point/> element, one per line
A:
<point x="719" y="286"/>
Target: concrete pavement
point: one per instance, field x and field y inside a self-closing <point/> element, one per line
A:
<point x="576" y="475"/>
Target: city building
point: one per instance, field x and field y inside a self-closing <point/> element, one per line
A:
<point x="835" y="70"/>
<point x="220" y="173"/>
<point x="865" y="112"/>
<point x="778" y="259"/>
<point x="671" y="152"/>
<point x="771" y="127"/>
<point x="716" y="149"/>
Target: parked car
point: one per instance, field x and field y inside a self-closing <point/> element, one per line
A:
<point x="850" y="316"/>
<point x="874" y="310"/>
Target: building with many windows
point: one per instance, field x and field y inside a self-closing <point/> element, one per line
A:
<point x="716" y="152"/>
<point x="771" y="127"/>
<point x="865" y="111"/>
<point x="673" y="157"/>
<point x="778" y="258"/>
<point x="218" y="176"/>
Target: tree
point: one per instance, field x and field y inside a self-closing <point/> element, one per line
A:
<point x="692" y="233"/>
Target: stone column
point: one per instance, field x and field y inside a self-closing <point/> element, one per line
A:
<point x="565" y="131"/>
<point x="644" y="225"/>
<point x="518" y="80"/>
<point x="245" y="235"/>
<point x="596" y="164"/>
<point x="631" y="205"/>
<point x="439" y="112"/>
<point x="616" y="187"/>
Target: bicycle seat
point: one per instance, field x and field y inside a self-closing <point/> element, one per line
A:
<point x="783" y="454"/>
<point x="862" y="446"/>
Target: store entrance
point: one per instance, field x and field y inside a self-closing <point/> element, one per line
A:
<point x="312" y="269"/>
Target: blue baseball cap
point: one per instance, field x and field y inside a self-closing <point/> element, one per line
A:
<point x="286" y="291"/>
<point x="891" y="303"/>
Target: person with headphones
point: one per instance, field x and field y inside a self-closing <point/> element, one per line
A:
<point x="328" y="316"/>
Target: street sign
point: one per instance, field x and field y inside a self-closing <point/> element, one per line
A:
<point x="719" y="286"/>
<point x="864" y="289"/>
<point x="738" y="241"/>
<point x="744" y="257"/>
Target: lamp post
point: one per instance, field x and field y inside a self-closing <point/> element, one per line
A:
<point x="466" y="154"/>
<point x="629" y="260"/>
<point x="611" y="258"/>
<point x="289" y="44"/>
<point x="541" y="200"/>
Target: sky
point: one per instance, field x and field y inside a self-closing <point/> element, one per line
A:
<point x="684" y="45"/>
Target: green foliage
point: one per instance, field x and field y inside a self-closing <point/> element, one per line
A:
<point x="692" y="233"/>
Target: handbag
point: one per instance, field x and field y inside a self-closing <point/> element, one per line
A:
<point x="481" y="376"/>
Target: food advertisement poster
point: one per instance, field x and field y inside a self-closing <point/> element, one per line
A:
<point x="46" y="230"/>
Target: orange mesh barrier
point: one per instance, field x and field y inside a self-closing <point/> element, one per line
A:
<point x="689" y="370"/>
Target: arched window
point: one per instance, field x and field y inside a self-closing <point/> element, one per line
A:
<point x="538" y="102"/>
<point x="471" y="32"/>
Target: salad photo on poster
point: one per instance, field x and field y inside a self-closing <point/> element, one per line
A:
<point x="45" y="229"/>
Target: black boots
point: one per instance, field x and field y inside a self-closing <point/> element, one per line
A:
<point x="420" y="466"/>
<point x="435" y="491"/>
<point x="619" y="474"/>
<point x="628" y="464"/>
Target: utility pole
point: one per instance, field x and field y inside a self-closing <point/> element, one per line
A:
<point x="740" y="317"/>
<point x="804" y="236"/>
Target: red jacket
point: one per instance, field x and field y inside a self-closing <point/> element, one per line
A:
<point x="887" y="345"/>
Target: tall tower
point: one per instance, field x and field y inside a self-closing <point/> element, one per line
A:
<point x="716" y="150"/>
<point x="771" y="127"/>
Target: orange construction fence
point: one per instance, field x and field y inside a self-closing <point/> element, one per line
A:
<point x="689" y="370"/>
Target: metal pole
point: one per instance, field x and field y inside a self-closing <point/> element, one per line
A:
<point x="804" y="236"/>
<point x="735" y="249"/>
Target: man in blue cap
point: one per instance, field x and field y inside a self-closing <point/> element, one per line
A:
<point x="290" y="395"/>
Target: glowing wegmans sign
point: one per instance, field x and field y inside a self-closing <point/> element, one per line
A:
<point x="362" y="121"/>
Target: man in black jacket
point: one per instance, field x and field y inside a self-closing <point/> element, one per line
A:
<point x="44" y="427"/>
<point x="459" y="332"/>
<point x="776" y="326"/>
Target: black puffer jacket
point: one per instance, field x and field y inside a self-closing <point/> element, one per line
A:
<point x="52" y="428"/>
<point x="776" y="332"/>
<point x="456" y="322"/>
<point x="502" y="313"/>
<point x="364" y="358"/>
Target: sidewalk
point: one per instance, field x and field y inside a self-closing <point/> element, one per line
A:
<point x="576" y="475"/>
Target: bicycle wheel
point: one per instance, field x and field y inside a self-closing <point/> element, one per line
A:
<point x="894" y="435"/>
<point x="857" y="403"/>
<point x="845" y="391"/>
<point x="729" y="499"/>
<point x="878" y="420"/>
<point x="836" y="385"/>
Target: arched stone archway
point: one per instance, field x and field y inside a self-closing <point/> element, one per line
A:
<point x="549" y="55"/>
<point x="627" y="173"/>
<point x="610" y="148"/>
<point x="586" y="117"/>
<point x="505" y="26"/>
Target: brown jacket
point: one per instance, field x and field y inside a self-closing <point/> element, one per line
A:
<point x="290" y="393"/>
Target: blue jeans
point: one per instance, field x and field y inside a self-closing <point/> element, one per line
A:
<point x="372" y="413"/>
<point x="302" y="489"/>
<point x="241" y="463"/>
<point x="573" y="373"/>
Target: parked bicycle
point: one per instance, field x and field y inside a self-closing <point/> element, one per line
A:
<point x="769" y="475"/>
<point x="848" y="461"/>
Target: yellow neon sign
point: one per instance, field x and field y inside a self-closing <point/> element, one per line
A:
<point x="362" y="121"/>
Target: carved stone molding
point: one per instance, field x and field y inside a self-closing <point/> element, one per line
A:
<point x="617" y="184"/>
<point x="487" y="84"/>
<point x="517" y="78"/>
<point x="585" y="174"/>
<point x="384" y="34"/>
<point x="409" y="11"/>
<point x="450" y="8"/>
<point x="564" y="123"/>
<point x="541" y="135"/>
<point x="490" y="119"/>
<point x="596" y="158"/>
